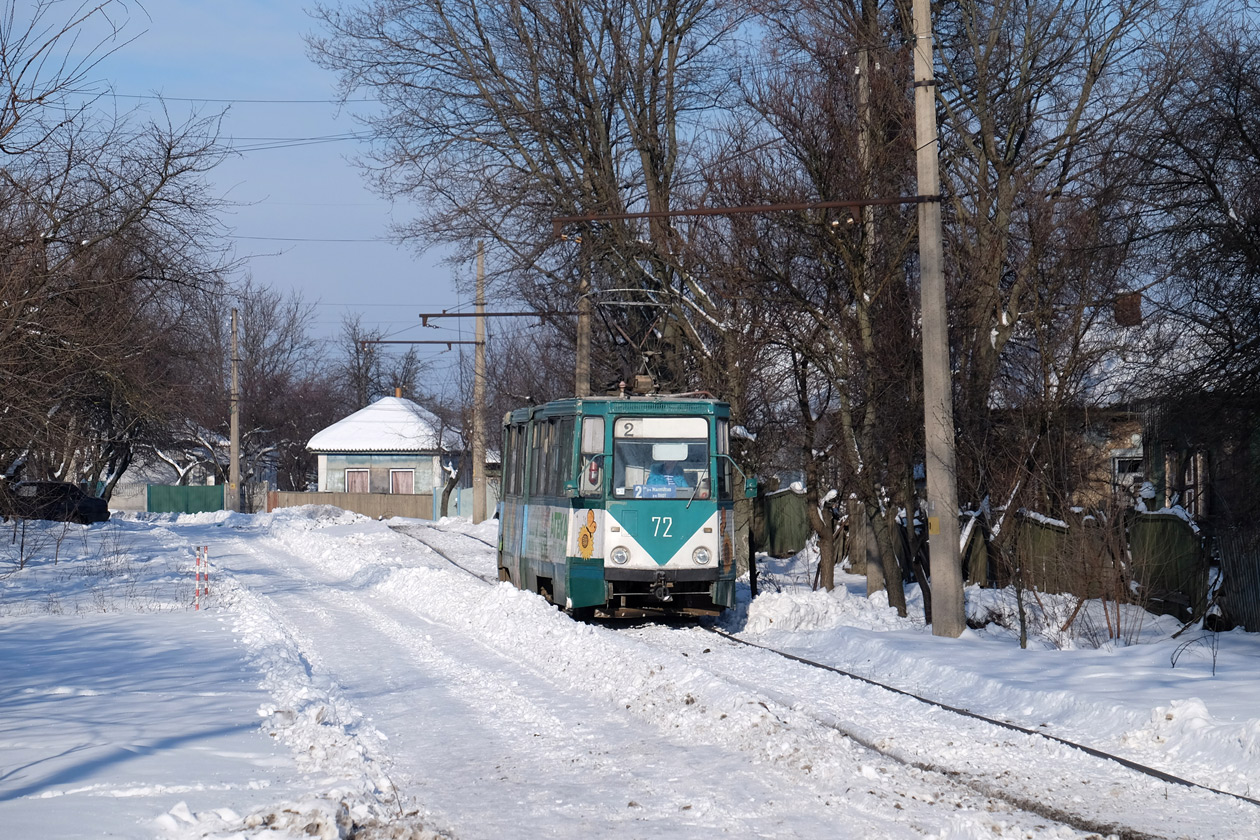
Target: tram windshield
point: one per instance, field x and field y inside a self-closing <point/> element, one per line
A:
<point x="661" y="458"/>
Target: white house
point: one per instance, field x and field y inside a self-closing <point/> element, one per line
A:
<point x="392" y="446"/>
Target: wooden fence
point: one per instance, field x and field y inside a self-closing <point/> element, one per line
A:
<point x="375" y="505"/>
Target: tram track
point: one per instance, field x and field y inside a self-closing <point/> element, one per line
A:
<point x="1077" y="763"/>
<point x="1137" y="767"/>
<point x="412" y="531"/>
<point x="1074" y="767"/>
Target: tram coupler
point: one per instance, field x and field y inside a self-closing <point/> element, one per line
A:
<point x="660" y="588"/>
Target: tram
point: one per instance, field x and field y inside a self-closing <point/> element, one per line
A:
<point x="621" y="506"/>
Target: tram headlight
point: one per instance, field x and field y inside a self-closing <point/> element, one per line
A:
<point x="701" y="556"/>
<point x="620" y="555"/>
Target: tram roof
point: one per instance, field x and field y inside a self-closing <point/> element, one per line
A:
<point x="640" y="405"/>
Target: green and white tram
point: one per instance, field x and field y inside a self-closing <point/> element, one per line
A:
<point x="621" y="506"/>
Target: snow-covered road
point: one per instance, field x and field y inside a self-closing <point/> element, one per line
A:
<point x="485" y="713"/>
<point x="502" y="734"/>
<point x="402" y="697"/>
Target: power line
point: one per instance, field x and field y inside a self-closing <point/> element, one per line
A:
<point x="309" y="239"/>
<point x="159" y="97"/>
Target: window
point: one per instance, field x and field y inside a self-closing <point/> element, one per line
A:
<point x="561" y="461"/>
<point x="1126" y="475"/>
<point x="519" y="456"/>
<point x="538" y="464"/>
<point x="402" y="481"/>
<point x="357" y="481"/>
<point x="553" y="456"/>
<point x="661" y="458"/>
<point x="512" y="458"/>
<point x="591" y="478"/>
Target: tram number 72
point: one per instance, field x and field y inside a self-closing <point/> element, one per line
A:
<point x="661" y="526"/>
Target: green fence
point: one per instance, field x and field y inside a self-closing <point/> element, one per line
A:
<point x="1168" y="561"/>
<point x="781" y="525"/>
<point x="1161" y="553"/>
<point x="165" y="498"/>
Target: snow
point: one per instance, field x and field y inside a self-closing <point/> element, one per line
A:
<point x="391" y="424"/>
<point x="342" y="678"/>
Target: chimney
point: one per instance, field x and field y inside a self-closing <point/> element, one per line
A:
<point x="398" y="393"/>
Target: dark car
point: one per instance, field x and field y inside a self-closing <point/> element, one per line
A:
<point x="57" y="500"/>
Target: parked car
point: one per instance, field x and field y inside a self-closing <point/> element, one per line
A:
<point x="57" y="500"/>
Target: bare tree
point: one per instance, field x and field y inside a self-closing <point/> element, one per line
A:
<point x="1202" y="147"/>
<point x="102" y="231"/>
<point x="286" y="396"/>
<point x="1034" y="101"/>
<point x="833" y="286"/>
<point x="366" y="370"/>
<point x="44" y="71"/>
<point x="502" y="116"/>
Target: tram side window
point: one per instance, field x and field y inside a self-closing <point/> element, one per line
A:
<point x="538" y="461"/>
<point x="553" y="456"/>
<point x="560" y="458"/>
<point x="591" y="478"/>
<point x="515" y="468"/>
<point x="509" y="463"/>
<point x="724" y="478"/>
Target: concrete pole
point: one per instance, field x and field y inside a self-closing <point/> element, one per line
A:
<point x="232" y="499"/>
<point x="948" y="617"/>
<point x="479" y="394"/>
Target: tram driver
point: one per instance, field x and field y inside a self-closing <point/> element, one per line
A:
<point x="667" y="474"/>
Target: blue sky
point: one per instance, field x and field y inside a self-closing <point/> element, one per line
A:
<point x="249" y="57"/>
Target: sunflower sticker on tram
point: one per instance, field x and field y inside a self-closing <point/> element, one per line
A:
<point x="586" y="536"/>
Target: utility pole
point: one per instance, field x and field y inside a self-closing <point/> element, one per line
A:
<point x="232" y="500"/>
<point x="479" y="394"/>
<point x="938" y="400"/>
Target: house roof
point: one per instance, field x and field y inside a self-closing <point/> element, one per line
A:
<point x="391" y="424"/>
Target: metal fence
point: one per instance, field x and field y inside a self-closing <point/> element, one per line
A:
<point x="165" y="498"/>
<point x="1239" y="592"/>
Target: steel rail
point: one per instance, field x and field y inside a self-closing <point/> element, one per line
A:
<point x="1096" y="753"/>
<point x="406" y="532"/>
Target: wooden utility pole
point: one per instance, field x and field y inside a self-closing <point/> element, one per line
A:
<point x="232" y="499"/>
<point x="938" y="399"/>
<point x="479" y="394"/>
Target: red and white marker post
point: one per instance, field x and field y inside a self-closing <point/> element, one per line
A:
<point x="203" y="575"/>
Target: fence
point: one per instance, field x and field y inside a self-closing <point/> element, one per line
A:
<point x="388" y="505"/>
<point x="780" y="523"/>
<point x="173" y="498"/>
<point x="375" y="505"/>
<point x="1080" y="558"/>
<point x="1169" y="562"/>
<point x="1160" y="552"/>
<point x="165" y="498"/>
<point x="1239" y="593"/>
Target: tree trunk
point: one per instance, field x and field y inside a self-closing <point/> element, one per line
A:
<point x="888" y="559"/>
<point x="452" y="482"/>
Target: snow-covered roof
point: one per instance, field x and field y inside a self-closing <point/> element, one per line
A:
<point x="391" y="424"/>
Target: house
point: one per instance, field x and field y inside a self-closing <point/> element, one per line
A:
<point x="393" y="446"/>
